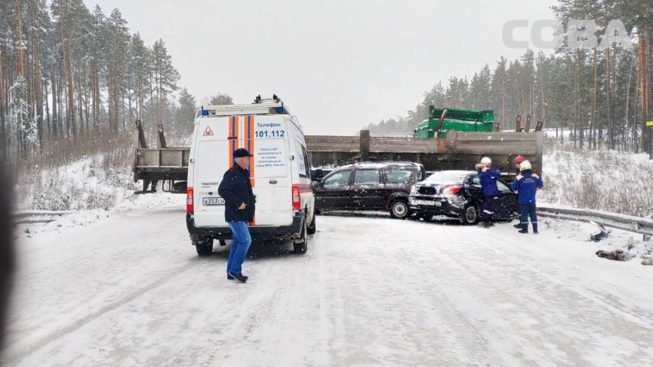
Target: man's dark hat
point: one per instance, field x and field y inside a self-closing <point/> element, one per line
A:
<point x="241" y="152"/>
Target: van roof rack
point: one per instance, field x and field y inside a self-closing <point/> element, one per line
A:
<point x="260" y="106"/>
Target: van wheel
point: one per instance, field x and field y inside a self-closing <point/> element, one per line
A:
<point x="313" y="227"/>
<point x="470" y="215"/>
<point x="204" y="248"/>
<point x="399" y="209"/>
<point x="300" y="245"/>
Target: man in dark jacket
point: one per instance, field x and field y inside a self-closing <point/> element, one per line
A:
<point x="488" y="177"/>
<point x="526" y="185"/>
<point x="236" y="190"/>
<point x="518" y="160"/>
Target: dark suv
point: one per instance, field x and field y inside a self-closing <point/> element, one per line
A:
<point x="369" y="186"/>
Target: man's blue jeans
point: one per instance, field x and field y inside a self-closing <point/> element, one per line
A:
<point x="239" y="247"/>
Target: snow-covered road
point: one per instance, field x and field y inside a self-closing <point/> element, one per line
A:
<point x="129" y="290"/>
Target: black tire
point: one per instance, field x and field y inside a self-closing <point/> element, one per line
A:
<point x="204" y="248"/>
<point x="471" y="215"/>
<point x="223" y="243"/>
<point x="399" y="209"/>
<point x="300" y="245"/>
<point x="313" y="227"/>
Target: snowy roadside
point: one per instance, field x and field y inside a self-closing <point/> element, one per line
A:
<point x="89" y="190"/>
<point x="601" y="180"/>
<point x="127" y="204"/>
<point x="633" y="246"/>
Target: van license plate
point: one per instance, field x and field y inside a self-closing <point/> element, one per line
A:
<point x="212" y="201"/>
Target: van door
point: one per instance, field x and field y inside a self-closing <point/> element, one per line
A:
<point x="334" y="192"/>
<point x="268" y="138"/>
<point x="368" y="189"/>
<point x="214" y="138"/>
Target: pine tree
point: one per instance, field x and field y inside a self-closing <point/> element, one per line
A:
<point x="116" y="46"/>
<point x="165" y="77"/>
<point x="20" y="121"/>
<point x="221" y="99"/>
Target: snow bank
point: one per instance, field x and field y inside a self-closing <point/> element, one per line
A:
<point x="125" y="203"/>
<point x="91" y="189"/>
<point x="85" y="184"/>
<point x="631" y="245"/>
<point x="601" y="180"/>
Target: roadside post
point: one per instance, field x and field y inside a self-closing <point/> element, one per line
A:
<point x="649" y="125"/>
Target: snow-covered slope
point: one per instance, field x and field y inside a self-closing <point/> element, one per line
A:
<point x="85" y="184"/>
<point x="602" y="180"/>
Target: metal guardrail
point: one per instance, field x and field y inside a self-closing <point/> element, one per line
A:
<point x="624" y="222"/>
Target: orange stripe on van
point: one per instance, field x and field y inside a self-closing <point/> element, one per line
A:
<point x="252" y="148"/>
<point x="230" y="142"/>
<point x="249" y="144"/>
<point x="238" y="132"/>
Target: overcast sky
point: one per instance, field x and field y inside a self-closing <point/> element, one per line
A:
<point x="338" y="64"/>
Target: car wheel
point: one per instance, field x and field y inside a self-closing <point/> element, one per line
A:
<point x="313" y="227"/>
<point x="470" y="215"/>
<point x="399" y="209"/>
<point x="300" y="245"/>
<point x="204" y="248"/>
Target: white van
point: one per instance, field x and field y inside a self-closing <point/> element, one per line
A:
<point x="279" y="170"/>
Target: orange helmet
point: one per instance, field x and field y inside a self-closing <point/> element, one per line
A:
<point x="519" y="159"/>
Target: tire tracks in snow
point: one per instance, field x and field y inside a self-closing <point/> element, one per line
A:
<point x="572" y="345"/>
<point x="587" y="293"/>
<point x="14" y="358"/>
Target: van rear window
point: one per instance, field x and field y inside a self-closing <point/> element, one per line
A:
<point x="212" y="159"/>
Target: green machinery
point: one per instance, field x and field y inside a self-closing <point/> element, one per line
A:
<point x="442" y="120"/>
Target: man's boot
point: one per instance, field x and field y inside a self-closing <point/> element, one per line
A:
<point x="524" y="228"/>
<point x="238" y="276"/>
<point x="535" y="228"/>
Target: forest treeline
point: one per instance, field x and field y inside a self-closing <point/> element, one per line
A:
<point x="68" y="72"/>
<point x="601" y="96"/>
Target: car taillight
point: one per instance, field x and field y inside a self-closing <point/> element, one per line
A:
<point x="190" y="208"/>
<point x="296" y="199"/>
<point x="451" y="191"/>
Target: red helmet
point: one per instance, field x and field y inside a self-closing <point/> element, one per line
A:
<point x="519" y="159"/>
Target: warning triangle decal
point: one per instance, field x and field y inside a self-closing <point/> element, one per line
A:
<point x="208" y="131"/>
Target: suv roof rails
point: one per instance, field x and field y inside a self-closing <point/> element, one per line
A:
<point x="387" y="163"/>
